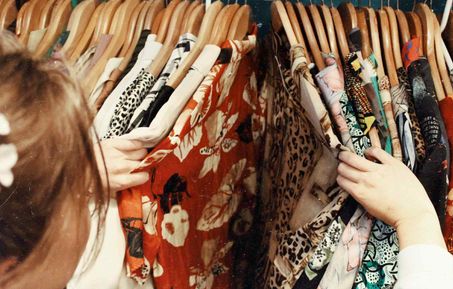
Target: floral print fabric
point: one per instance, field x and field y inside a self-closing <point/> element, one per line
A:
<point x="331" y="84"/>
<point x="357" y="93"/>
<point x="183" y="225"/>
<point x="384" y="89"/>
<point x="446" y="108"/>
<point x="370" y="83"/>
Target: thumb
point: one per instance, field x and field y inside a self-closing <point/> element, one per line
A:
<point x="378" y="154"/>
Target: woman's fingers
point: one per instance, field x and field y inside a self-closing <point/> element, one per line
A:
<point x="380" y="155"/>
<point x="349" y="186"/>
<point x="350" y="173"/>
<point x="136" y="155"/>
<point x="357" y="162"/>
<point x="126" y="145"/>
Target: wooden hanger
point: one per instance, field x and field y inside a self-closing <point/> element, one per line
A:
<point x="319" y="28"/>
<point x="20" y="18"/>
<point x="131" y="30"/>
<point x="83" y="41"/>
<point x="362" y="23"/>
<point x="122" y="15"/>
<point x="203" y="39"/>
<point x="445" y="77"/>
<point x="105" y="22"/>
<point x="189" y="12"/>
<point x="166" y="18"/>
<point x="403" y="26"/>
<point x="280" y="19"/>
<point x="156" y="23"/>
<point x="195" y="20"/>
<point x="174" y="29"/>
<point x="140" y="23"/>
<point x="220" y="35"/>
<point x="56" y="27"/>
<point x="29" y="20"/>
<point x="348" y="15"/>
<point x="241" y="23"/>
<point x="395" y="39"/>
<point x="375" y="37"/>
<point x="330" y="29"/>
<point x="340" y="32"/>
<point x="415" y="28"/>
<point x="294" y="21"/>
<point x="8" y="13"/>
<point x="33" y="18"/>
<point x="78" y="23"/>
<point x="387" y="48"/>
<point x="426" y="18"/>
<point x="156" y="6"/>
<point x="311" y="38"/>
<point x="46" y="14"/>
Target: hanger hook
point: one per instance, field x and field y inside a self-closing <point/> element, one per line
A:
<point x="397" y="4"/>
<point x="369" y="3"/>
<point x="331" y="3"/>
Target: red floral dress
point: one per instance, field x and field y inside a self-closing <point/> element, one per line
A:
<point x="183" y="225"/>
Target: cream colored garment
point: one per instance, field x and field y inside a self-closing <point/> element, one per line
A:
<point x="35" y="38"/>
<point x="112" y="64"/>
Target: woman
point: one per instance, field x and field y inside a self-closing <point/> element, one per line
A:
<point x="50" y="171"/>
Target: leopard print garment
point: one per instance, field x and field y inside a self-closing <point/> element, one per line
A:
<point x="130" y="99"/>
<point x="293" y="154"/>
<point x="419" y="142"/>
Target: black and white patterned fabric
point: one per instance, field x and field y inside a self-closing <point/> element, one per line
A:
<point x="129" y="101"/>
<point x="181" y="50"/>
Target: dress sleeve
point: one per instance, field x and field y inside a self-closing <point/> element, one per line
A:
<point x="425" y="266"/>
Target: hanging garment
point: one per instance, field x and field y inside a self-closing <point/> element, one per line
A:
<point x="54" y="51"/>
<point x="89" y="58"/>
<point x="419" y="142"/>
<point x="138" y="47"/>
<point x="170" y="111"/>
<point x="145" y="58"/>
<point x="112" y="64"/>
<point x="179" y="53"/>
<point x="339" y="267"/>
<point x="446" y="108"/>
<point x="379" y="266"/>
<point x="323" y="254"/>
<point x="357" y="93"/>
<point x="403" y="122"/>
<point x="35" y="38"/>
<point x="369" y="77"/>
<point x="286" y="241"/>
<point x="200" y="200"/>
<point x="129" y="101"/>
<point x="342" y="241"/>
<point x="433" y="173"/>
<point x="331" y="85"/>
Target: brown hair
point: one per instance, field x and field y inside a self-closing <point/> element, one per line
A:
<point x="44" y="212"/>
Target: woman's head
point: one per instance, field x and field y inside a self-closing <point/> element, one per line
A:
<point x="43" y="214"/>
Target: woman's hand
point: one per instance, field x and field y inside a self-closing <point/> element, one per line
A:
<point x="121" y="157"/>
<point x="389" y="191"/>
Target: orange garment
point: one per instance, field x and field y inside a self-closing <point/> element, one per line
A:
<point x="446" y="108"/>
<point x="183" y="225"/>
